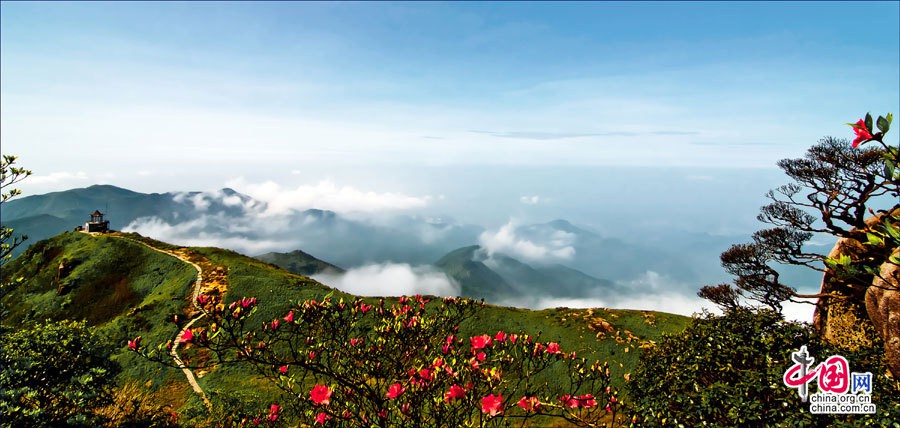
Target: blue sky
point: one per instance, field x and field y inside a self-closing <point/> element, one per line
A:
<point x="194" y="95"/>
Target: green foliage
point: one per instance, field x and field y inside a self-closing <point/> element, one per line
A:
<point x="121" y="288"/>
<point x="884" y="124"/>
<point x="401" y="363"/>
<point x="9" y="175"/>
<point x="727" y="371"/>
<point x="54" y="374"/>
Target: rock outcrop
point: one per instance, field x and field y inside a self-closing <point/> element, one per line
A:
<point x="883" y="306"/>
<point x="866" y="307"/>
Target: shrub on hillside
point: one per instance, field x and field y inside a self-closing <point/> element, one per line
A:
<point x="728" y="370"/>
<point x="54" y="374"/>
<point x="401" y="364"/>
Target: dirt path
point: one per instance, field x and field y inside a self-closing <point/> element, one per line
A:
<point x="198" y="284"/>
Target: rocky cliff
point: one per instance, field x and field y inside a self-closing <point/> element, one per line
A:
<point x="865" y="308"/>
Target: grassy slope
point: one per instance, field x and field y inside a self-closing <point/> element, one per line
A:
<point x="119" y="286"/>
<point x="126" y="289"/>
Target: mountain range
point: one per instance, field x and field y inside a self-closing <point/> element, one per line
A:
<point x="509" y="264"/>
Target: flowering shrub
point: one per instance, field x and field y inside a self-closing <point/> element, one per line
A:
<point x="356" y="364"/>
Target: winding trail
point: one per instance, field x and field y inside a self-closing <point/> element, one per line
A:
<point x="192" y="380"/>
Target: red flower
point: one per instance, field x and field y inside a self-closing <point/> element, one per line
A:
<point x="862" y="133"/>
<point x="289" y="317"/>
<point x="479" y="342"/>
<point x="587" y="401"/>
<point x="501" y="336"/>
<point x="187" y="336"/>
<point x="283" y="369"/>
<point x="455" y="392"/>
<point x="480" y="356"/>
<point x="275" y="324"/>
<point x="320" y="394"/>
<point x="382" y="414"/>
<point x="553" y="348"/>
<point x="425" y="374"/>
<point x="530" y="404"/>
<point x="569" y="401"/>
<point x="134" y="344"/>
<point x="395" y="391"/>
<point x="354" y="341"/>
<point x="492" y="404"/>
<point x="322" y="417"/>
<point x="273" y="412"/>
<point x="201" y="299"/>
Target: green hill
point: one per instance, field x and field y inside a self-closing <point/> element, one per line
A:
<point x="500" y="277"/>
<point x="475" y="279"/>
<point x="126" y="289"/>
<point x="299" y="262"/>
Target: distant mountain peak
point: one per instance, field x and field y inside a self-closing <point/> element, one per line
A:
<point x="564" y="225"/>
<point x="299" y="262"/>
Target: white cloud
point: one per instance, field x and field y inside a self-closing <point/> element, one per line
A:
<point x="570" y="302"/>
<point x="199" y="200"/>
<point x="798" y="311"/>
<point x="651" y="281"/>
<point x="674" y="303"/>
<point x="508" y="242"/>
<point x="57" y="177"/>
<point x="211" y="231"/>
<point x="326" y="195"/>
<point x="391" y="280"/>
<point x="655" y="292"/>
<point x="232" y="201"/>
<point x="664" y="302"/>
<point x="530" y="200"/>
